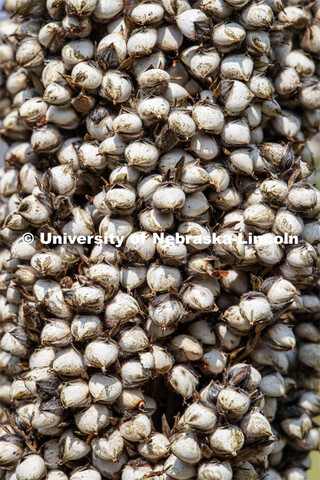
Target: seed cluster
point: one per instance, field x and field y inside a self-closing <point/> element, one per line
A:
<point x="165" y="361"/>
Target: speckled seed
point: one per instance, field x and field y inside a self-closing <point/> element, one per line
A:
<point x="227" y="440"/>
<point x="136" y="429"/>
